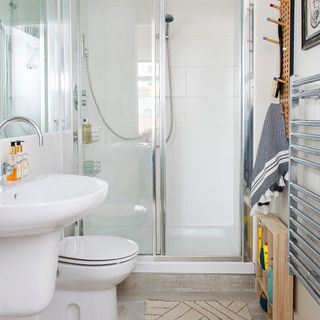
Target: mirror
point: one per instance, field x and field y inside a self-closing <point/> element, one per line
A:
<point x="31" y="61"/>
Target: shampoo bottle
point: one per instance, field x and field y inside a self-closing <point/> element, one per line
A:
<point x="25" y="163"/>
<point x="86" y="131"/>
<point x="19" y="160"/>
<point x="12" y="161"/>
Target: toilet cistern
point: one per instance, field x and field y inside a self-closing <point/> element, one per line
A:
<point x="24" y="120"/>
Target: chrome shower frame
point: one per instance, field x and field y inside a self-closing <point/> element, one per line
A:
<point x="158" y="142"/>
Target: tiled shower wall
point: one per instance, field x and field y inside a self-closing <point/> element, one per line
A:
<point x="203" y="156"/>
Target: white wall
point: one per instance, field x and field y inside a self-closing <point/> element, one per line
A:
<point x="203" y="155"/>
<point x="54" y="157"/>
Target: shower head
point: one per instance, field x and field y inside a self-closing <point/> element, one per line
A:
<point x="169" y="18"/>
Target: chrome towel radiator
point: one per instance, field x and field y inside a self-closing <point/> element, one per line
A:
<point x="304" y="186"/>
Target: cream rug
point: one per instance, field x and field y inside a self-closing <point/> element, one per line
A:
<point x="196" y="310"/>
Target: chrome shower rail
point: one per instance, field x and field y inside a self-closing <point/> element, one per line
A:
<point x="304" y="204"/>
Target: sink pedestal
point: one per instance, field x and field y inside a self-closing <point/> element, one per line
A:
<point x="28" y="268"/>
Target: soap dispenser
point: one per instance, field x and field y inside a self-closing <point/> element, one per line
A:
<point x="12" y="161"/>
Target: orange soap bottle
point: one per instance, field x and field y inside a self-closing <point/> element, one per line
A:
<point x="13" y="161"/>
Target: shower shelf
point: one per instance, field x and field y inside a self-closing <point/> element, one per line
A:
<point x="275" y="235"/>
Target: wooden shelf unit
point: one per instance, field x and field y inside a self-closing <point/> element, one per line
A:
<point x="275" y="235"/>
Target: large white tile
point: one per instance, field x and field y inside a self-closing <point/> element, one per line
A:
<point x="210" y="51"/>
<point x="215" y="112"/>
<point x="179" y="112"/>
<point x="210" y="18"/>
<point x="178" y="78"/>
<point x="201" y="207"/>
<point x="177" y="51"/>
<point x="176" y="153"/>
<point x="210" y="156"/>
<point x="209" y="81"/>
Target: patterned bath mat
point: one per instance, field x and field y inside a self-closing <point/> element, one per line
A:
<point x="197" y="310"/>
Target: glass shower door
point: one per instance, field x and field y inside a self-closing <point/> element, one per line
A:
<point x="116" y="114"/>
<point x="203" y="156"/>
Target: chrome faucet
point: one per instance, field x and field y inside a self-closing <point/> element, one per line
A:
<point x="5" y="171"/>
<point x="25" y="120"/>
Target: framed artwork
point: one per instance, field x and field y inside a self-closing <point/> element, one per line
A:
<point x="310" y="23"/>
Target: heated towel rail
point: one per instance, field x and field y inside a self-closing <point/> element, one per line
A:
<point x="304" y="186"/>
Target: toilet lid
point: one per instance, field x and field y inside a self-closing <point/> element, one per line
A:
<point x="97" y="248"/>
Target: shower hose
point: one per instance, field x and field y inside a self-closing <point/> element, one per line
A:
<point x="105" y="122"/>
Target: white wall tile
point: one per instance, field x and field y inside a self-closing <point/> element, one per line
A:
<point x="209" y="81"/>
<point x="178" y="82"/>
<point x="214" y="112"/>
<point x="177" y="171"/>
<point x="210" y="18"/>
<point x="210" y="51"/>
<point x="177" y="49"/>
<point x="179" y="112"/>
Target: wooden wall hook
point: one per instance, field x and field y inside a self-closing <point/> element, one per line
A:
<point x="275" y="6"/>
<point x="271" y="40"/>
<point x="281" y="80"/>
<point x="277" y="22"/>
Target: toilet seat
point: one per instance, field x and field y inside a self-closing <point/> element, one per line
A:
<point x="96" y="250"/>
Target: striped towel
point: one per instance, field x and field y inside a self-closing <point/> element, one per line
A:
<point x="272" y="162"/>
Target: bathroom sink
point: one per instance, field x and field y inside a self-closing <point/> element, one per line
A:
<point x="32" y="216"/>
<point x="48" y="203"/>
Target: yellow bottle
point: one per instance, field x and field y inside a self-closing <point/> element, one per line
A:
<point x="13" y="161"/>
<point x="259" y="241"/>
<point x="266" y="256"/>
<point x="86" y="132"/>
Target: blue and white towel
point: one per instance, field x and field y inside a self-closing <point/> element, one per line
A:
<point x="272" y="162"/>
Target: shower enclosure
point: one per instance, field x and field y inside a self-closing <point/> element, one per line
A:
<point x="159" y="106"/>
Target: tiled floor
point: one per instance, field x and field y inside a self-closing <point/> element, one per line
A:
<point x="139" y="287"/>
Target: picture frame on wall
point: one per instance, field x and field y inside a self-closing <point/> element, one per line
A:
<point x="310" y="23"/>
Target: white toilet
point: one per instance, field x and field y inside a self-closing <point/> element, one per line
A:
<point x="89" y="269"/>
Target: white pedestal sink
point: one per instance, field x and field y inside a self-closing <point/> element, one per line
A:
<point x="32" y="214"/>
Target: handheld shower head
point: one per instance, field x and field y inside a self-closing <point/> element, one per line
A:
<point x="169" y="18"/>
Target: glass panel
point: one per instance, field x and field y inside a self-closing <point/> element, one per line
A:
<point x="22" y="62"/>
<point x="204" y="152"/>
<point x="35" y="56"/>
<point x="117" y="114"/>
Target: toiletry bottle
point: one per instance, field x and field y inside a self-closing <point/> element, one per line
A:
<point x="12" y="161"/>
<point x="86" y="131"/>
<point x="19" y="159"/>
<point x="25" y="163"/>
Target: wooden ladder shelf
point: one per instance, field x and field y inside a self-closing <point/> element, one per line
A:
<point x="275" y="235"/>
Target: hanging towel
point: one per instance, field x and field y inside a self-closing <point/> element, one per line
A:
<point x="272" y="162"/>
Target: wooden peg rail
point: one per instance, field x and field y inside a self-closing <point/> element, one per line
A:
<point x="285" y="15"/>
<point x="284" y="8"/>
